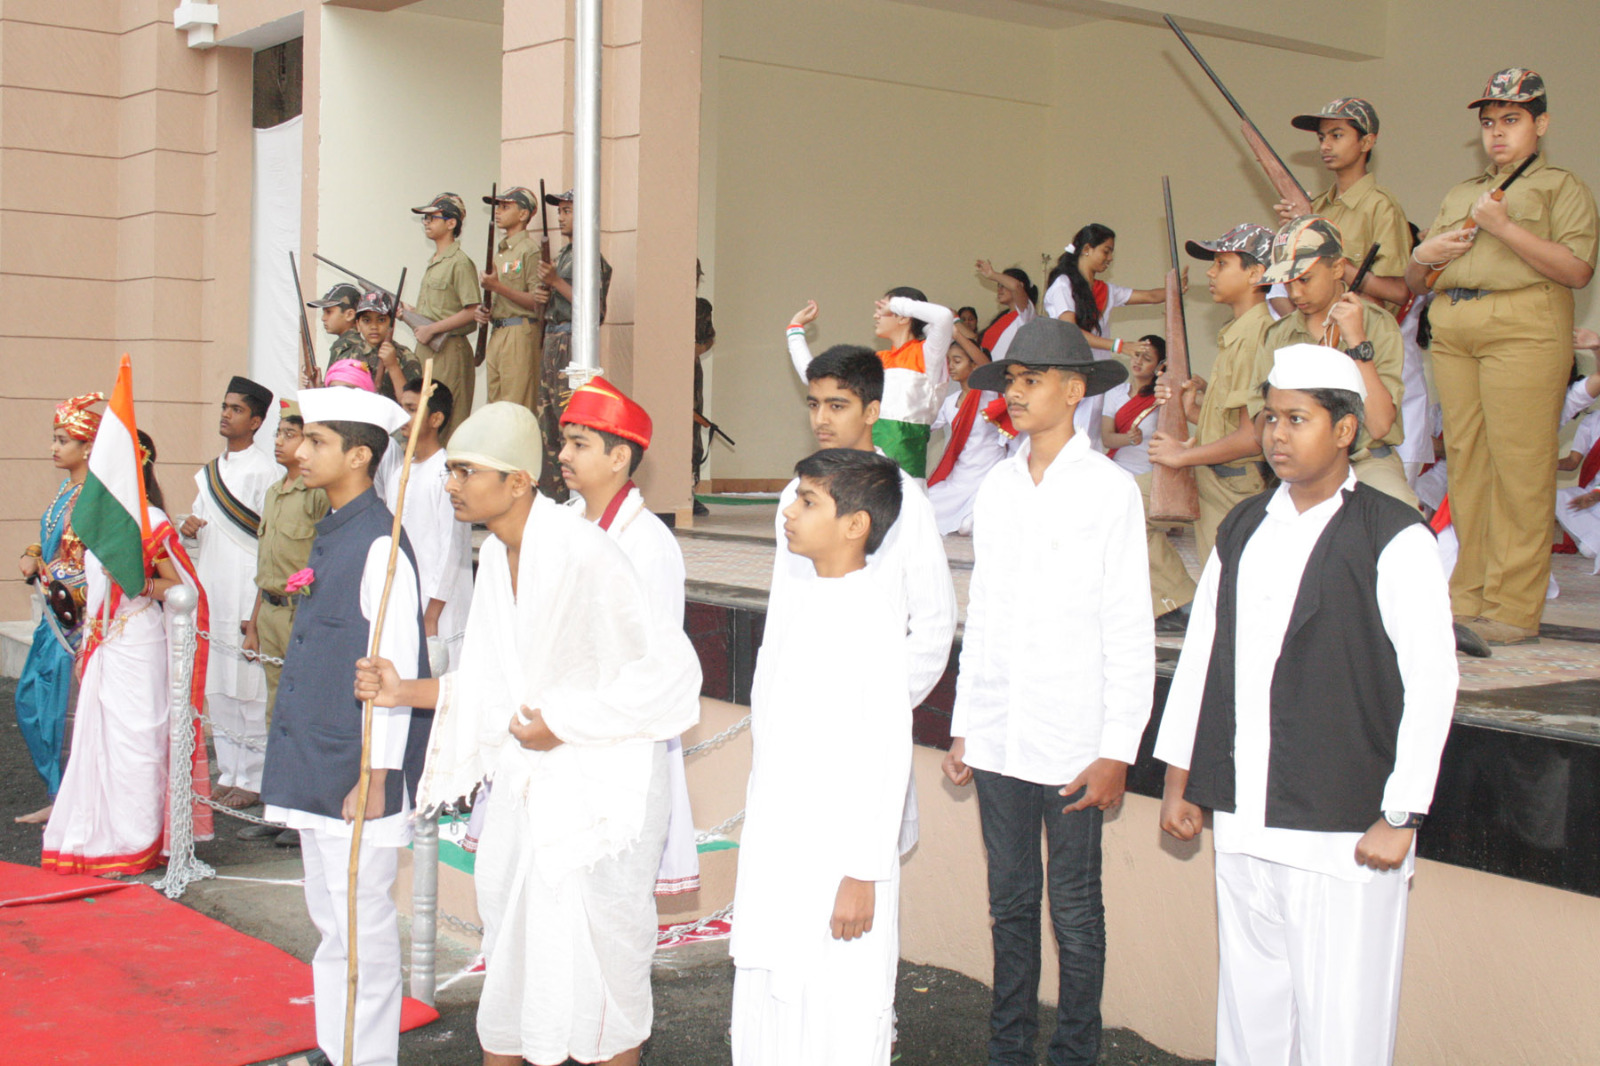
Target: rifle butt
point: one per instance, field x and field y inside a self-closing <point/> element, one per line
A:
<point x="1174" y="496"/>
<point x="415" y="319"/>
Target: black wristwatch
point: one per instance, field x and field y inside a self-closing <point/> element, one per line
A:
<point x="1404" y="819"/>
<point x="1361" y="353"/>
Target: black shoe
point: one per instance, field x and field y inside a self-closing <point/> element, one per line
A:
<point x="1174" y="621"/>
<point x="287" y="838"/>
<point x="258" y="832"/>
<point x="701" y="510"/>
<point x="1469" y="643"/>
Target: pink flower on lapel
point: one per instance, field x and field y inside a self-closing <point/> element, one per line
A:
<point x="300" y="581"/>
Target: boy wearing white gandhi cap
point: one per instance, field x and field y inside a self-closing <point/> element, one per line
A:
<point x="1308" y="712"/>
<point x="313" y="758"/>
<point x="568" y="688"/>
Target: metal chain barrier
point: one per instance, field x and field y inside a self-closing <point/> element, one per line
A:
<point x="234" y="649"/>
<point x="721" y="738"/>
<point x="234" y="812"/>
<point x="255" y="744"/>
<point x="720" y="830"/>
<point x="182" y="867"/>
<point x="690" y="928"/>
<point x="461" y="924"/>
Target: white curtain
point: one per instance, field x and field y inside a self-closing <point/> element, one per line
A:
<point x="274" y="233"/>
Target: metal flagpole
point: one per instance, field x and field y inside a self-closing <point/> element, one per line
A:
<point x="585" y="362"/>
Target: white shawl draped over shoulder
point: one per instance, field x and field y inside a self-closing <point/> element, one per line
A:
<point x="579" y="643"/>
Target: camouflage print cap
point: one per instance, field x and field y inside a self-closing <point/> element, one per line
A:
<point x="343" y="295"/>
<point x="376" y="302"/>
<point x="1514" y="85"/>
<point x="1354" y="110"/>
<point x="446" y="203"/>
<point x="557" y="199"/>
<point x="524" y="199"/>
<point x="1299" y="244"/>
<point x="1246" y="239"/>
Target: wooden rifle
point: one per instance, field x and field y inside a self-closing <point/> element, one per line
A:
<point x="544" y="225"/>
<point x="481" y="349"/>
<point x="1331" y="333"/>
<point x="310" y="376"/>
<point x="716" y="430"/>
<point x="1174" y="496"/>
<point x="410" y="318"/>
<point x="1497" y="195"/>
<point x="1288" y="187"/>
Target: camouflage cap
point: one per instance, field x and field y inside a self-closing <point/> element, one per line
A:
<point x="1354" y="110"/>
<point x="557" y="199"/>
<point x="376" y="302"/>
<point x="343" y="295"/>
<point x="1245" y="239"/>
<point x="1299" y="244"/>
<point x="523" y="198"/>
<point x="1514" y="85"/>
<point x="446" y="203"/>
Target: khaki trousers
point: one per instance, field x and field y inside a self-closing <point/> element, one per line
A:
<point x="1171" y="586"/>
<point x="453" y="366"/>
<point x="512" y="364"/>
<point x="1218" y="496"/>
<point x="1500" y="364"/>
<point x="1387" y="474"/>
<point x="273" y="625"/>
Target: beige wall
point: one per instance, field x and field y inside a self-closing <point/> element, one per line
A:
<point x="855" y="146"/>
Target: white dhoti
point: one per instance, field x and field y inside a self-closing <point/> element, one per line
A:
<point x="679" y="872"/>
<point x="239" y="729"/>
<point x="1310" y="965"/>
<point x="568" y="964"/>
<point x="327" y="868"/>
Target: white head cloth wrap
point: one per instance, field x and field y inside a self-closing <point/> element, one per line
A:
<point x="351" y="405"/>
<point x="501" y="436"/>
<point x="1312" y="366"/>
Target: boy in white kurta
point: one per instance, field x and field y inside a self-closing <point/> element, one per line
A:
<point x="816" y="907"/>
<point x="222" y="531"/>
<point x="604" y="438"/>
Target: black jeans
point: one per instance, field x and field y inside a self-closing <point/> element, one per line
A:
<point x="1012" y="812"/>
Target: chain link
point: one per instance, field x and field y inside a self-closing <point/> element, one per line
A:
<point x="461" y="924"/>
<point x="726" y="735"/>
<point x="671" y="932"/>
<point x="234" y="649"/>
<point x="234" y="812"/>
<point x="720" y="830"/>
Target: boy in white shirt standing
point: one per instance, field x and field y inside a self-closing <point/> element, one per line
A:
<point x="1057" y="672"/>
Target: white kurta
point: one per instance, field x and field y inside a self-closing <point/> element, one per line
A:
<point x="576" y="832"/>
<point x="658" y="561"/>
<point x="1584" y="523"/>
<point x="443" y="547"/>
<point x="913" y="570"/>
<point x="226" y="565"/>
<point x="952" y="498"/>
<point x="831" y="744"/>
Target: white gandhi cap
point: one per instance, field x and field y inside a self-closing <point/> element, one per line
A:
<point x="351" y="405"/>
<point x="1306" y="366"/>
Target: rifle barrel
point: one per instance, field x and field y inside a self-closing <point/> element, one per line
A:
<point x="1172" y="230"/>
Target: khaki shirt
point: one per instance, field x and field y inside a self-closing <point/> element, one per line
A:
<point x="1546" y="201"/>
<point x="1365" y="213"/>
<point x="449" y="284"/>
<point x="289" y="518"/>
<point x="1234" y="382"/>
<point x="516" y="260"/>
<point x="559" y="309"/>
<point x="1389" y="358"/>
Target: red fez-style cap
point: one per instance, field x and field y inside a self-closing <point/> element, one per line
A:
<point x="601" y="405"/>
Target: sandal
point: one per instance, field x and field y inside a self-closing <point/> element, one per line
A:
<point x="239" y="799"/>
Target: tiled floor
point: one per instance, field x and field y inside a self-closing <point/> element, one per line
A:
<point x="733" y="546"/>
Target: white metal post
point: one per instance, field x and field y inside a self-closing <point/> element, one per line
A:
<point x="586" y="196"/>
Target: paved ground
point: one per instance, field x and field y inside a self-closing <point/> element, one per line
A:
<point x="943" y="1015"/>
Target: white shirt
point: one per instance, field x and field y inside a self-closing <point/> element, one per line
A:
<point x="1058" y="300"/>
<point x="952" y="498"/>
<point x="1002" y="343"/>
<point x="1134" y="458"/>
<point x="653" y="551"/>
<point x="1577" y="400"/>
<point x="1058" y="658"/>
<point x="1414" y="602"/>
<point x="442" y="545"/>
<point x="1414" y="407"/>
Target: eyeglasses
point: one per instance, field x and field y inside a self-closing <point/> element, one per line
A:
<point x="461" y="472"/>
<point x="434" y="217"/>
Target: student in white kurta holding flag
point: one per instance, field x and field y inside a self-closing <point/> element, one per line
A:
<point x="568" y="690"/>
<point x="604" y="438"/>
<point x="816" y="928"/>
<point x="222" y="530"/>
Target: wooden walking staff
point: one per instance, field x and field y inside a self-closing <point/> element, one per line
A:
<point x="1174" y="497"/>
<point x="364" y="783"/>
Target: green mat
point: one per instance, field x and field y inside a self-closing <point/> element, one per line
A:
<point x="737" y="501"/>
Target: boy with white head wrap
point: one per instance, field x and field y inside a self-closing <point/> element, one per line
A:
<point x="1311" y="724"/>
<point x="567" y="691"/>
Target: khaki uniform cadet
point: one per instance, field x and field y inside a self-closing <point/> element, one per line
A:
<point x="377" y="303"/>
<point x="450" y="284"/>
<point x="1235" y="384"/>
<point x="1365" y="212"/>
<point x="345" y="296"/>
<point x="289" y="518"/>
<point x="553" y="391"/>
<point x="514" y="344"/>
<point x="1502" y="350"/>
<point x="1297" y="246"/>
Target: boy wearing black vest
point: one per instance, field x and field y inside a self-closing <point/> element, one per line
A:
<point x="1308" y="711"/>
<point x="314" y="745"/>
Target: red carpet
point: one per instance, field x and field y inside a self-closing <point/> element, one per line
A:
<point x="95" y="971"/>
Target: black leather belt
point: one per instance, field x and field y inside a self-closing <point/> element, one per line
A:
<point x="1224" y="470"/>
<point x="274" y="599"/>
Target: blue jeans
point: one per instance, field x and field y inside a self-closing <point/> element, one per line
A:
<point x="1012" y="812"/>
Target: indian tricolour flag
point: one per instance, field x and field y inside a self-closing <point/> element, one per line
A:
<point x="111" y="515"/>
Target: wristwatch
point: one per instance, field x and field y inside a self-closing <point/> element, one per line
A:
<point x="1361" y="353"/>
<point x="1404" y="819"/>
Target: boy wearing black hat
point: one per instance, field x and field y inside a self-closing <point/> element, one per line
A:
<point x="555" y="289"/>
<point x="1054" y="686"/>
<point x="514" y="310"/>
<point x="338" y="307"/>
<point x="449" y="295"/>
<point x="222" y="532"/>
<point x="1510" y="246"/>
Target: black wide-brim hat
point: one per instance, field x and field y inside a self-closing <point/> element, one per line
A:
<point x="1051" y="342"/>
